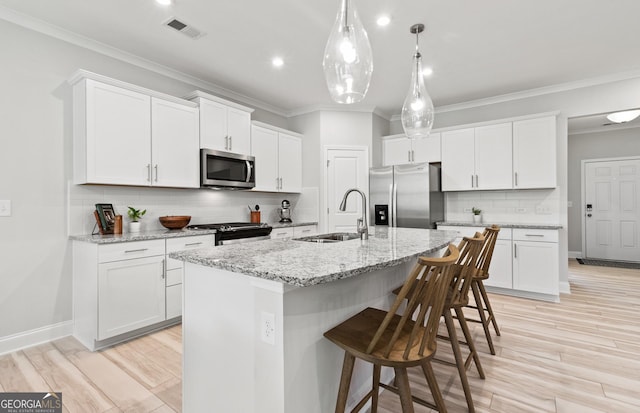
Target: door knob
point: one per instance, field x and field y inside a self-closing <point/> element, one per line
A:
<point x="589" y="215"/>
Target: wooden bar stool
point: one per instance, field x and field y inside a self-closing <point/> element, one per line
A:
<point x="457" y="298"/>
<point x="398" y="340"/>
<point x="480" y="296"/>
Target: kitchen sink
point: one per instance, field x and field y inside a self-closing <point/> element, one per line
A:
<point x="331" y="237"/>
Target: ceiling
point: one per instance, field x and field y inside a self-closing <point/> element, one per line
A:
<point x="477" y="49"/>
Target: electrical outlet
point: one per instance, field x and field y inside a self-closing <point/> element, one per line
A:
<point x="5" y="208"/>
<point x="268" y="328"/>
<point x="521" y="210"/>
<point x="467" y="210"/>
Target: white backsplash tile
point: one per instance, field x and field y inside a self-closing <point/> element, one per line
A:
<point x="204" y="206"/>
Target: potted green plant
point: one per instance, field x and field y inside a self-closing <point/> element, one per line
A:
<point x="134" y="216"/>
<point x="477" y="215"/>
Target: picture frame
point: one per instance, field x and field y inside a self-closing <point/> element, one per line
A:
<point x="107" y="217"/>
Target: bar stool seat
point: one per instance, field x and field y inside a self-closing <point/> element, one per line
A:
<point x="400" y="341"/>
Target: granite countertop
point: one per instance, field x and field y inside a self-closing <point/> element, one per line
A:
<point x="501" y="224"/>
<point x="291" y="224"/>
<point x="141" y="236"/>
<point x="303" y="264"/>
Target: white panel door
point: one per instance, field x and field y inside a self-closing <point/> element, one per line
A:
<point x="458" y="164"/>
<point x="290" y="163"/>
<point x="264" y="147"/>
<point x="131" y="295"/>
<point x="427" y="149"/>
<point x="239" y="131"/>
<point x="493" y="156"/>
<point x="213" y="125"/>
<point x="396" y="151"/>
<point x="534" y="153"/>
<point x="174" y="144"/>
<point x="346" y="169"/>
<point x="118" y="135"/>
<point x="612" y="210"/>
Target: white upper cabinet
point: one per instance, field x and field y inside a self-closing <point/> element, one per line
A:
<point x="175" y="144"/>
<point x="458" y="160"/>
<point x="224" y="125"/>
<point x="278" y="156"/>
<point x="493" y="156"/>
<point x="127" y="135"/>
<point x="534" y="153"/>
<point x="519" y="154"/>
<point x="398" y="149"/>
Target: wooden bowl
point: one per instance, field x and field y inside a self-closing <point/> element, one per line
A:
<point x="175" y="221"/>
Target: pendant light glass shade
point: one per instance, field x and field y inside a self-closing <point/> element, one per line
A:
<point x="417" y="111"/>
<point x="348" y="61"/>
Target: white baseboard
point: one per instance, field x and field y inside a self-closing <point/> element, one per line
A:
<point x="565" y="288"/>
<point x="575" y="254"/>
<point x="34" y="337"/>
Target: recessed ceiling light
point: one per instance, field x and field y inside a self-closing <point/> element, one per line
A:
<point x="625" y="116"/>
<point x="164" y="2"/>
<point x="277" y="62"/>
<point x="383" y="21"/>
<point x="427" y="71"/>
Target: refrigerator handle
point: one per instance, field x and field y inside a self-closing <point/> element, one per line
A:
<point x="390" y="203"/>
<point x="395" y="204"/>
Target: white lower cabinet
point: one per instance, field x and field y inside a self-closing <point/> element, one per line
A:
<point x="524" y="260"/>
<point x="126" y="287"/>
<point x="130" y="295"/>
<point x="535" y="261"/>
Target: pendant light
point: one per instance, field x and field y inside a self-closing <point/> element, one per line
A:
<point x="417" y="111"/>
<point x="347" y="62"/>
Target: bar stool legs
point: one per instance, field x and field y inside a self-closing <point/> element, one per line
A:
<point x="483" y="305"/>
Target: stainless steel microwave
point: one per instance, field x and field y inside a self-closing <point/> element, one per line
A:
<point x="220" y="169"/>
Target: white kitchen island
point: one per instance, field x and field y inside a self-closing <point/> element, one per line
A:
<point x="255" y="314"/>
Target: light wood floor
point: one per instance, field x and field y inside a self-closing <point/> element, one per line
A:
<point x="580" y="356"/>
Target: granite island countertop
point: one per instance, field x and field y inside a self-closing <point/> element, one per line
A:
<point x="303" y="264"/>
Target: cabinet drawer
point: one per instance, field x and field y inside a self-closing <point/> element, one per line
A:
<point x="305" y="231"/>
<point x="130" y="250"/>
<point x="505" y="233"/>
<point x="540" y="235"/>
<point x="187" y="243"/>
<point x="174" y="276"/>
<point x="278" y="233"/>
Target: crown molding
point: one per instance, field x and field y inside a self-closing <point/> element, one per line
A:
<point x="604" y="129"/>
<point x="336" y="108"/>
<point x="524" y="94"/>
<point x="59" y="33"/>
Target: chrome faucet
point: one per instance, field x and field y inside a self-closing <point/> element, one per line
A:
<point x="363" y="229"/>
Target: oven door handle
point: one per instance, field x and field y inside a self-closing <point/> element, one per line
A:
<point x="243" y="240"/>
<point x="249" y="171"/>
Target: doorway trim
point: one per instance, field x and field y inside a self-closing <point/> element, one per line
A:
<point x="324" y="218"/>
<point x="583" y="192"/>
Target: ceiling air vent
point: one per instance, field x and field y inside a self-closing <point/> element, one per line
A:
<point x="184" y="28"/>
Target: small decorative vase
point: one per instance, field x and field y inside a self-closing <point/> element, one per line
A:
<point x="134" y="226"/>
<point x="477" y="219"/>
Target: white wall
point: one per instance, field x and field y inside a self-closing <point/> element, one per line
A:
<point x="35" y="169"/>
<point x="605" y="144"/>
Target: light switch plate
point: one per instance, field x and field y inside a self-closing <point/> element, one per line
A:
<point x="5" y="208"/>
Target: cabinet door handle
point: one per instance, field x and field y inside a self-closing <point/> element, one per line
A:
<point x="471" y="181"/>
<point x="138" y="250"/>
<point x="515" y="250"/>
<point x="156" y="168"/>
<point x="477" y="181"/>
<point x="516" y="178"/>
<point x="533" y="235"/>
<point x="226" y="142"/>
<point x="230" y="143"/>
<point x="277" y="183"/>
<point x="408" y="156"/>
<point x="193" y="243"/>
<point x="164" y="268"/>
<point x="148" y="172"/>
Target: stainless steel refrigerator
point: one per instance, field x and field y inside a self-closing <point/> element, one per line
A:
<point x="407" y="196"/>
